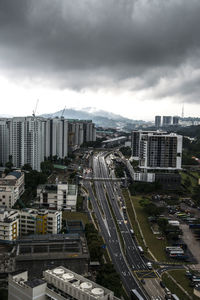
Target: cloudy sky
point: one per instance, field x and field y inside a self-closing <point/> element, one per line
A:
<point x="137" y="58"/>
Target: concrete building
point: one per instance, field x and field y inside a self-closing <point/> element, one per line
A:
<point x="56" y="139"/>
<point x="11" y="188"/>
<point x="136" y="140"/>
<point x="26" y="141"/>
<point x="80" y="131"/>
<point x="4" y="141"/>
<point x="175" y="120"/>
<point x="157" y="150"/>
<point x="15" y="223"/>
<point x="167" y="121"/>
<point x="158" y="121"/>
<point x="58" y="284"/>
<point x="20" y="288"/>
<point x="33" y="221"/>
<point x="37" y="253"/>
<point x="9" y="225"/>
<point x="58" y="196"/>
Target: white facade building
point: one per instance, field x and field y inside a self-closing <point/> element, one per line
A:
<point x="15" y="223"/>
<point x="157" y="150"/>
<point x="11" y="188"/>
<point x="57" y="284"/>
<point x="9" y="225"/>
<point x="58" y="196"/>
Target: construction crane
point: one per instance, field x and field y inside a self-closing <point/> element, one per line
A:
<point x="34" y="111"/>
<point x="62" y="114"/>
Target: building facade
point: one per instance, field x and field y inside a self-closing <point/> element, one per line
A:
<point x="11" y="188"/>
<point x="58" y="196"/>
<point x="157" y="150"/>
<point x="58" y="284"/>
<point x="9" y="225"/>
<point x="15" y="223"/>
<point x="28" y="140"/>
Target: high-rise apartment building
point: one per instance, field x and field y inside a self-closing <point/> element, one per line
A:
<point x="28" y="140"/>
<point x="157" y="121"/>
<point x="175" y="120"/>
<point x="81" y="131"/>
<point x="4" y="141"/>
<point x="56" y="139"/>
<point x="157" y="150"/>
<point x="167" y="120"/>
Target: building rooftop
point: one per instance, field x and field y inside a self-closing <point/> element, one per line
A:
<point x="35" y="282"/>
<point x="15" y="174"/>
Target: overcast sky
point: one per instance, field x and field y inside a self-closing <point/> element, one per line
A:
<point x="136" y="58"/>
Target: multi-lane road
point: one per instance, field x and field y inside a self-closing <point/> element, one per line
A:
<point x="124" y="263"/>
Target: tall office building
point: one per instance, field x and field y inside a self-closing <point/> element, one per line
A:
<point x="157" y="121"/>
<point x="167" y="120"/>
<point x="157" y="150"/>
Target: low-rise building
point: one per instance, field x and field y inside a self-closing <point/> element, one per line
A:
<point x="37" y="253"/>
<point x="11" y="188"/>
<point x="15" y="223"/>
<point x="58" y="196"/>
<point x="9" y="225"/>
<point x="58" y="284"/>
<point x="40" y="221"/>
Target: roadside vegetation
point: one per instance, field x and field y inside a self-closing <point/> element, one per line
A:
<point x="155" y="246"/>
<point x="182" y="280"/>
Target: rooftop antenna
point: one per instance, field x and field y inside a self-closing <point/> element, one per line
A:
<point x="182" y="111"/>
<point x="34" y="111"/>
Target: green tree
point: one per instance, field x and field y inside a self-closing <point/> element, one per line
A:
<point x="27" y="167"/>
<point x="46" y="167"/>
<point x="109" y="278"/>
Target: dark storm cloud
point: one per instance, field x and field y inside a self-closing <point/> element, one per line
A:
<point x="88" y="43"/>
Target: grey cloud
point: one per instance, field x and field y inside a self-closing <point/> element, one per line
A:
<point x="91" y="43"/>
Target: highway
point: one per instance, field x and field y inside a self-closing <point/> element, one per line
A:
<point x="123" y="264"/>
<point x="134" y="259"/>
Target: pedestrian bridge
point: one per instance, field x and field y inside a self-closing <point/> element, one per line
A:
<point x="103" y="179"/>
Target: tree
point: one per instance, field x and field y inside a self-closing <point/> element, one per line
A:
<point x="46" y="167"/>
<point x="27" y="167"/>
<point x="109" y="278"/>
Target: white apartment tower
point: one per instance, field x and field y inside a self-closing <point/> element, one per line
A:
<point x="157" y="150"/>
<point x="56" y="137"/>
<point x="26" y="142"/>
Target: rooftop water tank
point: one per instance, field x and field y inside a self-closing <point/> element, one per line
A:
<point x="58" y="271"/>
<point x="97" y="292"/>
<point x="86" y="285"/>
<point x="68" y="276"/>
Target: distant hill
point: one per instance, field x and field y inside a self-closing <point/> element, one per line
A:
<point x="99" y="117"/>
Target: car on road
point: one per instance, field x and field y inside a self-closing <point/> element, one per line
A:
<point x="149" y="265"/>
<point x="143" y="281"/>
